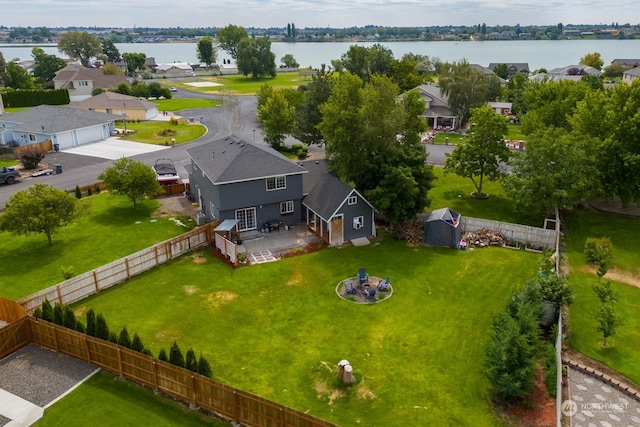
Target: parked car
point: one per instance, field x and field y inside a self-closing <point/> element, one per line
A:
<point x="9" y="175"/>
<point x="173" y="89"/>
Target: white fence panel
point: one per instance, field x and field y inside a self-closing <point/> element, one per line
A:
<point x="111" y="274"/>
<point x="221" y="244"/>
<point x="527" y="235"/>
<point x="142" y="261"/>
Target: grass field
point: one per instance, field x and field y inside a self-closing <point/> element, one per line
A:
<point x="623" y="350"/>
<point x="111" y="230"/>
<point x="453" y="191"/>
<point x="244" y="85"/>
<point x="185" y="103"/>
<point x="161" y="133"/>
<point x="279" y="329"/>
<point x="106" y="401"/>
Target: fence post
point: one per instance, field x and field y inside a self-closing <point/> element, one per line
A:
<point x="155" y="375"/>
<point x="126" y="265"/>
<point x="55" y="339"/>
<point x="86" y="347"/>
<point x="193" y="386"/>
<point x="59" y="294"/>
<point x="120" y="370"/>
<point x="235" y="406"/>
<point x="95" y="281"/>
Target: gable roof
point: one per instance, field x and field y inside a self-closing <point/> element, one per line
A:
<point x="232" y="159"/>
<point x="50" y="119"/>
<point x="447" y="215"/>
<point x="76" y="72"/>
<point x="185" y="66"/>
<point x="521" y="67"/>
<point x="328" y="195"/>
<point x="438" y="103"/>
<point x="114" y="100"/>
<point x="580" y="68"/>
<point x="632" y="72"/>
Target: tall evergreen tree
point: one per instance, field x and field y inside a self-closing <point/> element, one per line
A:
<point x="191" y="361"/>
<point x="91" y="322"/>
<point x="102" y="330"/>
<point x="175" y="355"/>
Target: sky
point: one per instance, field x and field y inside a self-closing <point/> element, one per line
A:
<point x="312" y="13"/>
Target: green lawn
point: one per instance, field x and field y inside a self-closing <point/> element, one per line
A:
<point x="185" y="103"/>
<point x="623" y="354"/>
<point x="106" y="401"/>
<point x="8" y="163"/>
<point x="515" y="133"/>
<point x="244" y="85"/>
<point x="161" y="133"/>
<point x="279" y="329"/>
<point x="111" y="230"/>
<point x="453" y="191"/>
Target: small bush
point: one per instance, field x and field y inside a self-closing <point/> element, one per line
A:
<point x="102" y="330"/>
<point x="89" y="191"/>
<point x="97" y="189"/>
<point x="124" y="339"/>
<point x="80" y="328"/>
<point x="175" y="355"/>
<point x="203" y="367"/>
<point x="599" y="250"/>
<point x="163" y="355"/>
<point x="68" y="318"/>
<point x="30" y="157"/>
<point x="47" y="311"/>
<point x="67" y="272"/>
<point x="136" y="343"/>
<point x="57" y="314"/>
<point x="113" y="337"/>
<point x="37" y="313"/>
<point x="78" y="193"/>
<point x="91" y="323"/>
<point x="190" y="361"/>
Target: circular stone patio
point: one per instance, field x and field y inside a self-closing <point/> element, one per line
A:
<point x="358" y="295"/>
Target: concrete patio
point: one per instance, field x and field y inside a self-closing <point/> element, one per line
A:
<point x="264" y="247"/>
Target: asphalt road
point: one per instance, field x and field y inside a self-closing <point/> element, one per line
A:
<point x="220" y="122"/>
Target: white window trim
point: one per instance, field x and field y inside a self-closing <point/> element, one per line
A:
<point x="358" y="222"/>
<point x="352" y="200"/>
<point x="275" y="179"/>
<point x="287" y="207"/>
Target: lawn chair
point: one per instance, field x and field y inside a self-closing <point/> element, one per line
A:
<point x="384" y="286"/>
<point x="363" y="277"/>
<point x="351" y="290"/>
<point x="370" y="292"/>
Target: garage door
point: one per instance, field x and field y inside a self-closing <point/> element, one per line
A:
<point x="90" y="134"/>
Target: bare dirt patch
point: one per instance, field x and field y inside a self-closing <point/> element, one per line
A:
<point x="190" y="290"/>
<point x="217" y="299"/>
<point x="542" y="412"/>
<point x="614" y="274"/>
<point x="174" y="205"/>
<point x="363" y="392"/>
<point x="198" y="258"/>
<point x="168" y="335"/>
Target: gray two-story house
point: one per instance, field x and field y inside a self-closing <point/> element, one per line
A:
<point x="234" y="179"/>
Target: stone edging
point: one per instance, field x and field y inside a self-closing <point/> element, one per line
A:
<point x="625" y="388"/>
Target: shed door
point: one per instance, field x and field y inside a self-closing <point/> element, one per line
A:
<point x="337" y="231"/>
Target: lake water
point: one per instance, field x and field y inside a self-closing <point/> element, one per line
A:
<point x="537" y="53"/>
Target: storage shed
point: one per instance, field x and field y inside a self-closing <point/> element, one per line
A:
<point x="442" y="228"/>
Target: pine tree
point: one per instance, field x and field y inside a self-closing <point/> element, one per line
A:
<point x="68" y="318"/>
<point x="78" y="193"/>
<point x="163" y="355"/>
<point x="124" y="339"/>
<point x="113" y="337"/>
<point x="91" y="323"/>
<point x="136" y="343"/>
<point x="57" y="314"/>
<point x="80" y="327"/>
<point x="203" y="367"/>
<point x="175" y="355"/>
<point x="191" y="361"/>
<point x="47" y="311"/>
<point x="102" y="330"/>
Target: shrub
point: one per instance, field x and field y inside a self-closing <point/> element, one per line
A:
<point x="57" y="314"/>
<point x="136" y="343"/>
<point x="175" y="355"/>
<point x="78" y="193"/>
<point x="124" y="339"/>
<point x="598" y="250"/>
<point x="80" y="328"/>
<point x="89" y="191"/>
<point x="147" y="352"/>
<point x="68" y="318"/>
<point x="47" y="311"/>
<point x="37" y="313"/>
<point x="550" y="367"/>
<point x="191" y="361"/>
<point x="203" y="367"/>
<point x="97" y="189"/>
<point x="113" y="337"/>
<point x="102" y="330"/>
<point x="67" y="272"/>
<point x="30" y="156"/>
<point x="91" y="323"/>
<point x="163" y="355"/>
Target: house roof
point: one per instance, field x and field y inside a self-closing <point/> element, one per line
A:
<point x="49" y="119"/>
<point x="438" y="103"/>
<point x="522" y="67"/>
<point x="232" y="159"/>
<point x="632" y="72"/>
<point x="445" y="214"/>
<point x="582" y="70"/>
<point x="494" y="104"/>
<point x="76" y="72"/>
<point x="627" y="61"/>
<point x="179" y="65"/>
<point x="114" y="100"/>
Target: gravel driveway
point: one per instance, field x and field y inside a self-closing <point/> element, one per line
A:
<point x="40" y="375"/>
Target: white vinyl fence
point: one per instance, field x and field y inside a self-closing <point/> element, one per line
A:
<point x="530" y="236"/>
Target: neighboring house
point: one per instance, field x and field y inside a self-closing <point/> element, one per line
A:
<point x="66" y="127"/>
<point x="574" y="70"/>
<point x="81" y="81"/>
<point x="631" y="63"/>
<point x="514" y="67"/>
<point x="234" y="179"/>
<point x="501" y="107"/>
<point x="111" y="102"/>
<point x="333" y="210"/>
<point x="150" y="63"/>
<point x="488" y="72"/>
<point x="174" y="69"/>
<point x="630" y="75"/>
<point x="437" y="110"/>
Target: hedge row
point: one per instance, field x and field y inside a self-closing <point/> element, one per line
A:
<point x="32" y="98"/>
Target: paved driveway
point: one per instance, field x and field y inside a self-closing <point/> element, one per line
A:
<point x="114" y="148"/>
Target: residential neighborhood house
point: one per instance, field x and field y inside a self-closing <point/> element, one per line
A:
<point x="437" y="111"/>
<point x="630" y="63"/>
<point x="81" y="81"/>
<point x="132" y="107"/>
<point x="503" y="108"/>
<point x="66" y="127"/>
<point x="514" y="67"/>
<point x="174" y="69"/>
<point x="630" y="75"/>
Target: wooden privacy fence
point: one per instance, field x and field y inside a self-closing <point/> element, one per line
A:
<point x="527" y="235"/>
<point x="92" y="282"/>
<point x="180" y="383"/>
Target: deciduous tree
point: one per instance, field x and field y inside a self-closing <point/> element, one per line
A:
<point x="465" y="87"/>
<point x="254" y="57"/>
<point x="593" y="59"/>
<point x="288" y="61"/>
<point x="308" y="114"/>
<point x="131" y="178"/>
<point x="480" y="155"/>
<point x="40" y="209"/>
<point x="46" y="66"/>
<point x="229" y="38"/>
<point x="80" y="45"/>
<point x="276" y="115"/>
<point x="110" y="51"/>
<point x="206" y="51"/>
<point x="135" y="62"/>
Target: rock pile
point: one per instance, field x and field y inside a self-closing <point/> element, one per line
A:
<point x="483" y="238"/>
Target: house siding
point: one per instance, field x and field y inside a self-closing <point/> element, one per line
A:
<point x="350" y="212"/>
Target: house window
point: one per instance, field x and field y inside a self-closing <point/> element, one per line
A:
<point x="83" y="83"/>
<point x="358" y="222"/>
<point x="247" y="218"/>
<point x="352" y="200"/>
<point x="32" y="137"/>
<point x="276" y="183"/>
<point x="286" y="207"/>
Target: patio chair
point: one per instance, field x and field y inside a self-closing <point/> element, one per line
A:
<point x="384" y="286"/>
<point x="370" y="293"/>
<point x="363" y="277"/>
<point x="350" y="288"/>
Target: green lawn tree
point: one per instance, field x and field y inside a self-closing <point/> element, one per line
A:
<point x="607" y="316"/>
<point x="276" y="115"/>
<point x="135" y="62"/>
<point x="41" y="208"/>
<point x="254" y="57"/>
<point x="131" y="178"/>
<point x="593" y="59"/>
<point x="465" y="87"/>
<point x="46" y="66"/>
<point x="288" y="61"/>
<point x="206" y="51"/>
<point x="478" y="157"/>
<point x="17" y="77"/>
<point x="110" y="51"/>
<point x="229" y="38"/>
<point x="308" y="114"/>
<point x="554" y="172"/>
<point x="80" y="45"/>
<point x="175" y="355"/>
